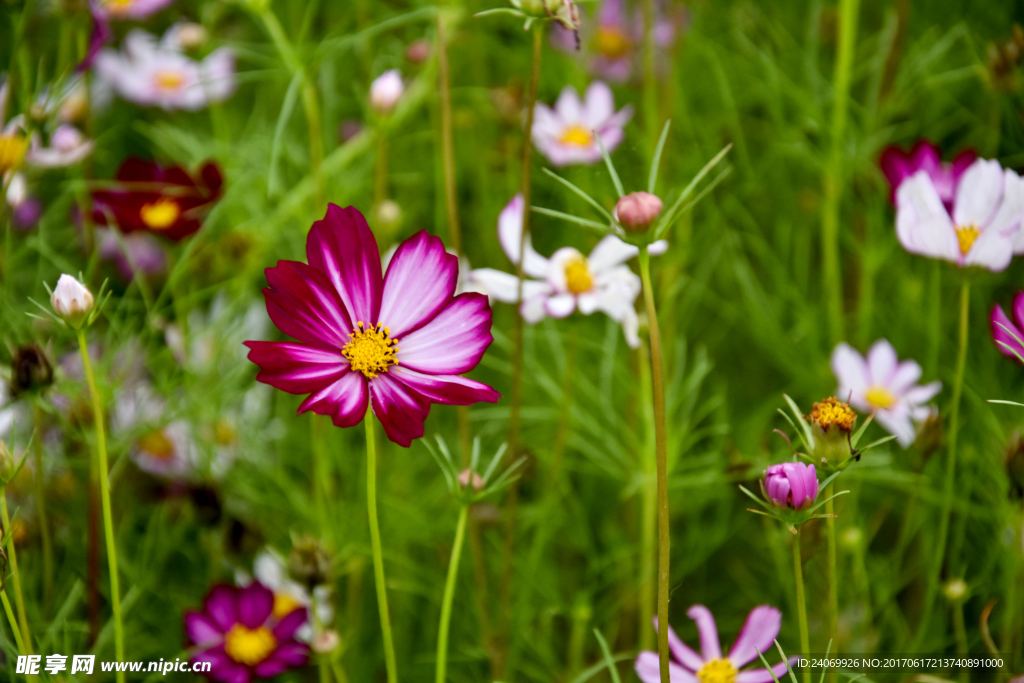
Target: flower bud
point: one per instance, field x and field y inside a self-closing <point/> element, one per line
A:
<point x="30" y="370"/>
<point x="191" y="36"/>
<point x="72" y="301"/>
<point x="955" y="590"/>
<point x="386" y="90"/>
<point x="308" y="562"/>
<point x="831" y="423"/>
<point x="464" y="478"/>
<point x="637" y="210"/>
<point x="418" y="51"/>
<point x="326" y="642"/>
<point x="791" y="485"/>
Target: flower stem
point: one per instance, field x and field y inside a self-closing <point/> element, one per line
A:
<point x="108" y="518"/>
<point x="44" y="524"/>
<point x="661" y="457"/>
<point x="19" y="598"/>
<point x="649" y="503"/>
<point x="801" y="603"/>
<point x="14" y="623"/>
<point x="833" y="284"/>
<point x="449" y="596"/>
<point x="378" y="557"/>
<point x="650" y="87"/>
<point x="833" y="575"/>
<point x="947" y="494"/>
<point x="447" y="139"/>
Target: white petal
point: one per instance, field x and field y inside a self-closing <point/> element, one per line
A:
<point x="599" y="105"/>
<point x="610" y="252"/>
<point x="510" y="235"/>
<point x="979" y="193"/>
<point x="851" y="371"/>
<point x="560" y="305"/>
<point x="992" y="250"/>
<point x="899" y="426"/>
<point x="882" y="362"/>
<point x="922" y="225"/>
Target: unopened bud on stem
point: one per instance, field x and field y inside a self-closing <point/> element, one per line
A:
<point x="72" y="301"/>
<point x="637" y="210"/>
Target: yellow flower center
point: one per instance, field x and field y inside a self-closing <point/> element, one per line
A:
<point x="166" y="79"/>
<point x="577" y="276"/>
<point x="284" y="605"/>
<point x="611" y="42"/>
<point x="12" y="150"/>
<point x="577" y="135"/>
<point x="160" y="214"/>
<point x="224" y="433"/>
<point x="249" y="647"/>
<point x="880" y="397"/>
<point x="118" y="6"/>
<point x="371" y="351"/>
<point x="833" y="413"/>
<point x="967" y="235"/>
<point x="156" y="444"/>
<point x="717" y="671"/>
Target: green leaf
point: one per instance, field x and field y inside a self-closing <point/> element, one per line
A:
<point x="586" y="223"/>
<point x="696" y="179"/>
<point x="670" y="218"/>
<point x="805" y="429"/>
<point x="609" y="662"/>
<point x="611" y="167"/>
<point x="586" y="197"/>
<point x="652" y="180"/>
<point x="291" y="97"/>
<point x="860" y="431"/>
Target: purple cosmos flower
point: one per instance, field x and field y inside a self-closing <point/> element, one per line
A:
<point x="791" y="484"/>
<point x="881" y="384"/>
<point x="898" y="165"/>
<point x="103" y="11"/>
<point x="239" y="634"/>
<point x="1009" y="334"/>
<point x="397" y="343"/>
<point x="567" y="135"/>
<point x="141" y="250"/>
<point x="981" y="229"/>
<point x="67" y="147"/>
<point x="758" y="634"/>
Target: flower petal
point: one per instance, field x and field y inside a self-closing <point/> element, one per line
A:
<point x="343" y="248"/>
<point x="993" y="249"/>
<point x="222" y="607"/>
<point x="610" y="252"/>
<point x="200" y="629"/>
<point x="923" y="226"/>
<point x="303" y="304"/>
<point x="496" y="284"/>
<point x="296" y="368"/>
<point x="906" y="375"/>
<point x="255" y="605"/>
<point x="851" y="371"/>
<point x="709" y="645"/>
<point x="447" y="389"/>
<point x="757" y="635"/>
<point x="568" y="106"/>
<point x="979" y="194"/>
<point x="882" y="362"/>
<point x="222" y="667"/>
<point x="560" y="305"/>
<point x="599" y="105"/>
<point x="290" y="623"/>
<point x="510" y="235"/>
<point x="898" y="424"/>
<point x="1008" y="337"/>
<point x="648" y="669"/>
<point x="453" y="342"/>
<point x="344" y="400"/>
<point x="287" y="656"/>
<point x="401" y="410"/>
<point x="764" y="675"/>
<point x="680" y="650"/>
<point x="420" y="281"/>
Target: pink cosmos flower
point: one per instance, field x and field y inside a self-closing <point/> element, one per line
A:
<point x="396" y="343"/>
<point x="981" y="229"/>
<point x="898" y="165"/>
<point x="103" y="11"/>
<point x="791" y="484"/>
<point x="568" y="134"/>
<point x="159" y="75"/>
<point x="67" y="147"/>
<point x="242" y="636"/>
<point x="758" y="634"/>
<point x="1009" y="334"/>
<point x="881" y="384"/>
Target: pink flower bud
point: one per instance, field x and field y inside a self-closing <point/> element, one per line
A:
<point x="72" y="301"/>
<point x="386" y="90"/>
<point x="464" y="477"/>
<point x="637" y="210"/>
<point x="418" y="51"/>
<point x="791" y="485"/>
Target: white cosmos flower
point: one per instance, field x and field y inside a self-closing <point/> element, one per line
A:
<point x="568" y="134"/>
<point x="67" y="147"/>
<point x="270" y="569"/>
<point x="882" y="385"/>
<point x="984" y="228"/>
<point x="159" y="75"/>
<point x="568" y="280"/>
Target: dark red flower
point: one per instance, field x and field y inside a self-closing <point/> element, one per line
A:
<point x="898" y="165"/>
<point x="164" y="200"/>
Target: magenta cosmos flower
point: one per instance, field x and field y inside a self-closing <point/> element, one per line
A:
<point x="898" y="165"/>
<point x="758" y="634"/>
<point x="791" y="485"/>
<point x="397" y="343"/>
<point x="1009" y="334"/>
<point x="244" y="632"/>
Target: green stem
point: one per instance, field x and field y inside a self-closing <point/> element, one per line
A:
<point x="947" y="494"/>
<point x="801" y="604"/>
<point x="832" y="279"/>
<point x="833" y="575"/>
<point x="108" y="518"/>
<point x="449" y="596"/>
<point x="321" y="477"/>
<point x="14" y="623"/>
<point x="960" y="632"/>
<point x="378" y="557"/>
<point x="19" y="598"/>
<point x="661" y="456"/>
<point x="649" y="510"/>
<point x="447" y="143"/>
<point x="44" y="524"/>
<point x="650" y="87"/>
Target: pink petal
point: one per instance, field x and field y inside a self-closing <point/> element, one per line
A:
<point x="344" y="400"/>
<point x="906" y="375"/>
<point x="764" y="675"/>
<point x="290" y="623"/>
<point x="453" y="342"/>
<point x="447" y="389"/>
<point x="898" y="424"/>
<point x="255" y="604"/>
<point x="882" y="362"/>
<point x="200" y="629"/>
<point x="287" y="656"/>
<point x="343" y="248"/>
<point x="220" y="605"/>
<point x="680" y="650"/>
<point x="1018" y="309"/>
<point x="1008" y="337"/>
<point x="648" y="670"/>
<point x="296" y="368"/>
<point x="222" y="667"/>
<point x="758" y="634"/>
<point x="709" y="645"/>
<point x="850" y="370"/>
<point x="420" y="281"/>
<point x="401" y="410"/>
<point x="303" y="304"/>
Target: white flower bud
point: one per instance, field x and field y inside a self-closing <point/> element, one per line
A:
<point x="72" y="301"/>
<point x="386" y="90"/>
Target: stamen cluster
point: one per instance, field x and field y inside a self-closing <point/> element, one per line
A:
<point x="372" y="350"/>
